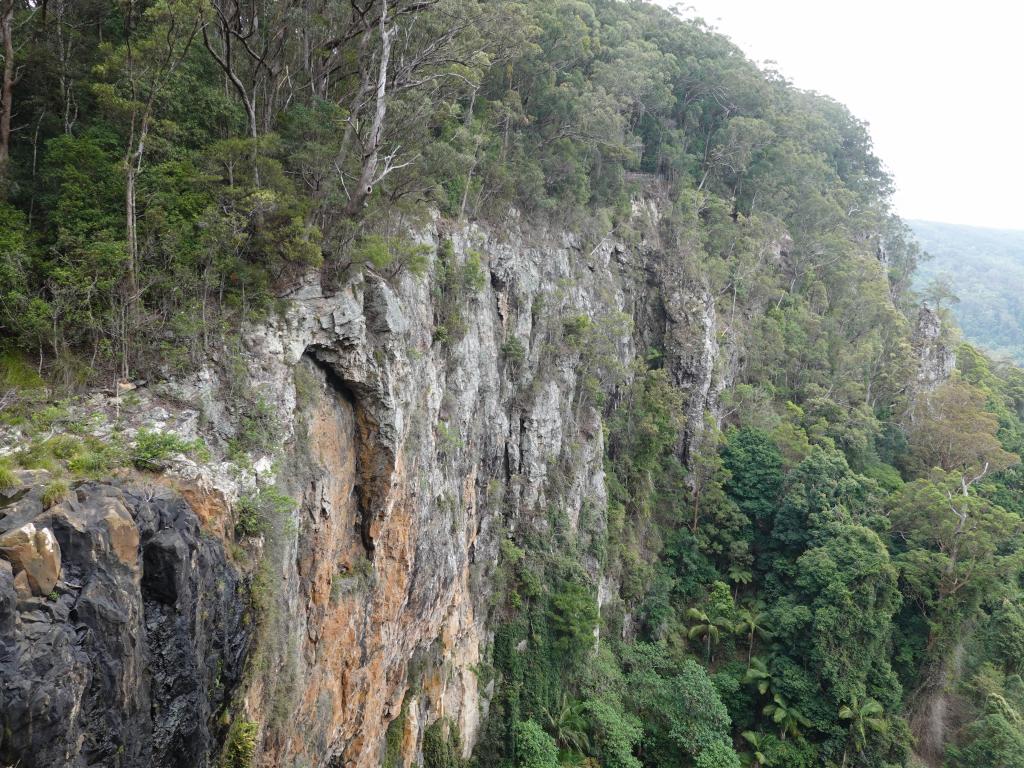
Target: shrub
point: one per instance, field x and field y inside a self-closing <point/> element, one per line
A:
<point x="240" y="747"/>
<point x="718" y="755"/>
<point x="259" y="429"/>
<point x="37" y="456"/>
<point x="534" y="748"/>
<point x="513" y="350"/>
<point x="394" y="737"/>
<point x="391" y="255"/>
<point x="96" y="457"/>
<point x="153" y="448"/>
<point x="257" y="512"/>
<point x="307" y="383"/>
<point x="574" y="617"/>
<point x="64" y="446"/>
<point x="441" y="750"/>
<point x="453" y="284"/>
<point x="47" y="417"/>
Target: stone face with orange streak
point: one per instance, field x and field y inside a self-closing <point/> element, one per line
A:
<point x="413" y="458"/>
<point x="396" y="457"/>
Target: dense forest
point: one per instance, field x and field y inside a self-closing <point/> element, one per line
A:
<point x="829" y="577"/>
<point x="976" y="274"/>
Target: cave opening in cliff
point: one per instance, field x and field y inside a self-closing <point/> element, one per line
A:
<point x="365" y="446"/>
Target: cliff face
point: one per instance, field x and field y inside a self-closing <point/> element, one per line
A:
<point x="936" y="358"/>
<point x="416" y="423"/>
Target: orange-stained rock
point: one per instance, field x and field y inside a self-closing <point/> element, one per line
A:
<point x="124" y="536"/>
<point x="35" y="552"/>
<point x="209" y="506"/>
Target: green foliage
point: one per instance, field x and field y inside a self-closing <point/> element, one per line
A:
<point x="394" y="738"/>
<point x="755" y="473"/>
<point x="850" y="587"/>
<point x="55" y="492"/>
<point x="513" y="350"/>
<point x="574" y="618"/>
<point x="682" y="714"/>
<point x="240" y="744"/>
<point x="616" y="732"/>
<point x="7" y="477"/>
<point x="258" y="429"/>
<point x="258" y="513"/>
<point x="534" y="748"/>
<point x="718" y="755"/>
<point x="454" y="285"/>
<point x="991" y="740"/>
<point x="441" y="745"/>
<point x="153" y="448"/>
<point x="830" y="549"/>
<point x="391" y="255"/>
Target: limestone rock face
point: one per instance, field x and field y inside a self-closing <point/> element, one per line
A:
<point x="414" y="451"/>
<point x="417" y="424"/>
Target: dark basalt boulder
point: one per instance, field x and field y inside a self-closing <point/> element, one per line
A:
<point x="134" y="655"/>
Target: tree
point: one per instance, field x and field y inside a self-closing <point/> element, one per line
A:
<point x="940" y="291"/>
<point x="863" y="717"/>
<point x="257" y="32"/>
<point x="759" y="674"/>
<point x="755" y="473"/>
<point x="952" y="430"/>
<point x="8" y="79"/>
<point x="850" y="586"/>
<point x="821" y="487"/>
<point x="615" y="732"/>
<point x="708" y="628"/>
<point x="992" y="740"/>
<point x="156" y="41"/>
<point x="682" y="712"/>
<point x="789" y="719"/>
<point x="567" y="725"/>
<point x="758" y="758"/>
<point x="574" y="617"/>
<point x="534" y="748"/>
<point x="952" y="543"/>
<point x="752" y="624"/>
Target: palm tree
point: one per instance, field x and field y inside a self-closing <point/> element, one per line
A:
<point x="862" y="717"/>
<point x="740" y="576"/>
<point x="706" y="627"/>
<point x="755" y="741"/>
<point x="567" y="725"/>
<point x="751" y="624"/>
<point x="789" y="719"/>
<point x="759" y="674"/>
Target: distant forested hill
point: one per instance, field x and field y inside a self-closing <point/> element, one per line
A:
<point x="985" y="269"/>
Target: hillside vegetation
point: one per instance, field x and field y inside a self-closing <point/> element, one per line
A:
<point x="828" y="577"/>
<point x="977" y="273"/>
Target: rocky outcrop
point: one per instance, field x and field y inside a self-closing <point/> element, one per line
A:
<point x="34" y="557"/>
<point x="130" y="656"/>
<point x="936" y="357"/>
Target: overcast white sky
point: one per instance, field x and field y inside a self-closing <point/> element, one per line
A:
<point x="940" y="83"/>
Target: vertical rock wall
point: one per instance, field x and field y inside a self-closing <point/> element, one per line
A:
<point x="419" y="421"/>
